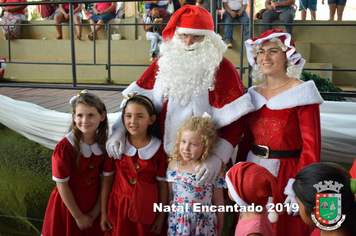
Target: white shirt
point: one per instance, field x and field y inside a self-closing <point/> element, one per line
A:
<point x="162" y="3"/>
<point x="235" y="4"/>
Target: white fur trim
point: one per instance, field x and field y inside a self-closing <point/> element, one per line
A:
<point x="144" y="153"/>
<point x="233" y="193"/>
<point x="161" y="178"/>
<point x="176" y="115"/>
<point x="86" y="149"/>
<point x="287" y="42"/>
<point x="272" y="216"/>
<point x="60" y="180"/>
<point x="224" y="150"/>
<point x="301" y="95"/>
<point x="272" y="165"/>
<point x="154" y="94"/>
<point x="108" y="173"/>
<point x="181" y="30"/>
<point x="232" y="111"/>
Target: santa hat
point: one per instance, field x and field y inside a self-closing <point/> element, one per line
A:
<point x="189" y="19"/>
<point x="250" y="183"/>
<point x="286" y="39"/>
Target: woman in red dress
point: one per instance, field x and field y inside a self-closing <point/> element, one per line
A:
<point x="283" y="134"/>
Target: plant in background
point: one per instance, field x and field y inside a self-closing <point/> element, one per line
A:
<point x="109" y="81"/>
<point x="323" y="85"/>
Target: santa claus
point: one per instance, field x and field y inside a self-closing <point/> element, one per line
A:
<point x="192" y="77"/>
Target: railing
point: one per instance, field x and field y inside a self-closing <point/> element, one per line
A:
<point x="108" y="65"/>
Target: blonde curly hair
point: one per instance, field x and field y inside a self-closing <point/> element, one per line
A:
<point x="204" y="127"/>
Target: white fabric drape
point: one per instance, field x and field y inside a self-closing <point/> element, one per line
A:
<point x="47" y="127"/>
<point x="338" y="131"/>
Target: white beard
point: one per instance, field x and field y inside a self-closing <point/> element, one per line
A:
<point x="186" y="71"/>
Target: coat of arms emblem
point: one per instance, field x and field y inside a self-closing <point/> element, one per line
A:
<point x="328" y="205"/>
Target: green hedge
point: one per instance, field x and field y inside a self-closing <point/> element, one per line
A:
<point x="323" y="85"/>
<point x="25" y="182"/>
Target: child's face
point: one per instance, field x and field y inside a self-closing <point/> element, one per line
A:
<point x="304" y="214"/>
<point x="87" y="119"/>
<point x="155" y="12"/>
<point x="137" y="119"/>
<point x="191" y="146"/>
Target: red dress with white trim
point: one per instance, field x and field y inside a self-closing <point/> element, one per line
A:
<point x="288" y="121"/>
<point x="151" y="165"/>
<point x="84" y="184"/>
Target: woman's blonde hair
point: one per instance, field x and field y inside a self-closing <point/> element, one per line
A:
<point x="204" y="127"/>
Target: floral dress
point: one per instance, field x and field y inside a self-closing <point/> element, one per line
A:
<point x="184" y="219"/>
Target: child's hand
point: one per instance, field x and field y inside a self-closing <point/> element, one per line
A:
<point x="84" y="221"/>
<point x="93" y="214"/>
<point x="160" y="20"/>
<point x="158" y="224"/>
<point x="105" y="223"/>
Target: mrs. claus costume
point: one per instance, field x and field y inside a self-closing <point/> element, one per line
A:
<point x="250" y="184"/>
<point x="288" y="122"/>
<point x="226" y="99"/>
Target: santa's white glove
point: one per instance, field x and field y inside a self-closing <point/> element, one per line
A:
<point x="115" y="146"/>
<point x="290" y="198"/>
<point x="209" y="170"/>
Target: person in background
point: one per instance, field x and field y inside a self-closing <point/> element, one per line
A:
<point x="279" y="9"/>
<point x="162" y="5"/>
<point x="163" y="14"/>
<point x="88" y="10"/>
<point x="78" y="162"/>
<point x="204" y="4"/>
<point x="154" y="32"/>
<point x="283" y="134"/>
<point x="12" y="15"/>
<point x="103" y="12"/>
<point x="179" y="3"/>
<point x="336" y="6"/>
<point x="308" y="4"/>
<point x="235" y="10"/>
<point x="63" y="16"/>
<point x="48" y="11"/>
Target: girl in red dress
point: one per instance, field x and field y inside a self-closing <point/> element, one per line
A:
<point x="78" y="161"/>
<point x="307" y="185"/>
<point x="145" y="152"/>
<point x="283" y="134"/>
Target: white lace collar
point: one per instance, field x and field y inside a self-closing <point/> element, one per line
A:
<point x="86" y="149"/>
<point x="303" y="94"/>
<point x="144" y="153"/>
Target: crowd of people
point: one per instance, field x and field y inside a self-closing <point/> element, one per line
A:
<point x="157" y="14"/>
<point x="167" y="167"/>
